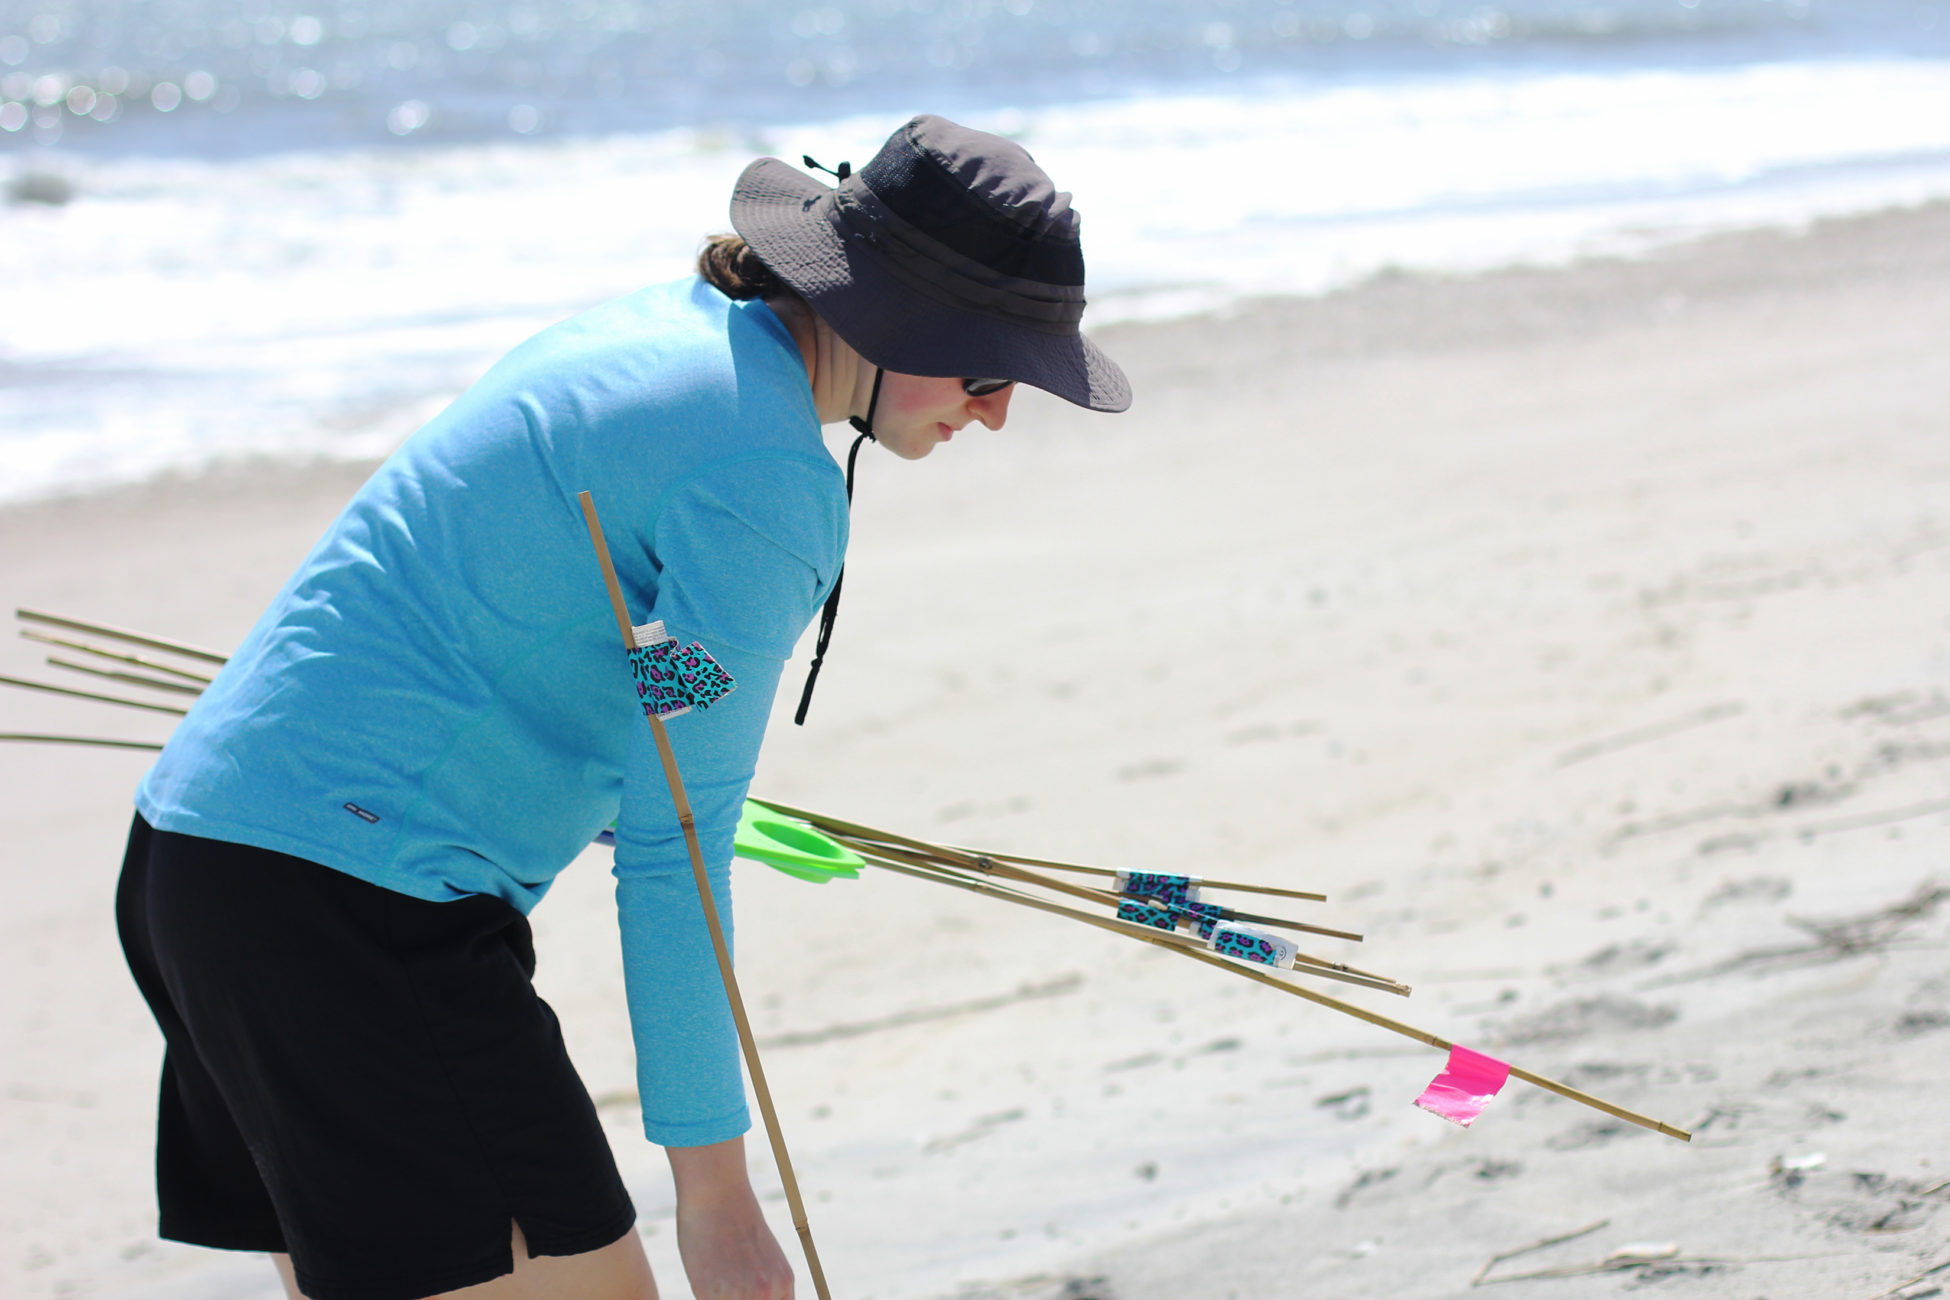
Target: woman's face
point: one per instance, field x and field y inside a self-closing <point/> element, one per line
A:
<point x="916" y="414"/>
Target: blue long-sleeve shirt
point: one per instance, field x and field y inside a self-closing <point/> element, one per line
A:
<point x="438" y="701"/>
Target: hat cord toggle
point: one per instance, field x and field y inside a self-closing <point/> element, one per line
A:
<point x="844" y="170"/>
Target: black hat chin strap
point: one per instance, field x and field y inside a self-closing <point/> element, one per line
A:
<point x="830" y="614"/>
<point x="864" y="425"/>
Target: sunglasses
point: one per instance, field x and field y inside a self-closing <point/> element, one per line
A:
<point x="983" y="387"/>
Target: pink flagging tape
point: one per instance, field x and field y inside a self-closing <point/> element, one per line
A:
<point x="1465" y="1086"/>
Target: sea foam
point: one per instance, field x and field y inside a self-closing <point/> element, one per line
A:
<point x="320" y="304"/>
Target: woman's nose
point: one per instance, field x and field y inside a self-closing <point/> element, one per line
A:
<point x="993" y="409"/>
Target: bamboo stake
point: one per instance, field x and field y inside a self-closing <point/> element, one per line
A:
<point x="990" y="867"/>
<point x="746" y="1040"/>
<point x="121" y="634"/>
<point x="946" y="876"/>
<point x="1349" y="935"/>
<point x="78" y="740"/>
<point x="1098" y="895"/>
<point x="1106" y="871"/>
<point x="132" y="679"/>
<point x="140" y="661"/>
<point x="972" y="857"/>
<point x="917" y="865"/>
<point x="999" y="864"/>
<point x="989" y="864"/>
<point x="51" y="689"/>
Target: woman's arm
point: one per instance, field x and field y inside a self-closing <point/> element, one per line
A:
<point x="742" y="558"/>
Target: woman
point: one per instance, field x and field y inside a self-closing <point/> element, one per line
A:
<point x="327" y="879"/>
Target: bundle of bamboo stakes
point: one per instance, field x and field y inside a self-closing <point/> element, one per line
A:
<point x="176" y="672"/>
<point x="172" y="669"/>
<point x="1016" y="880"/>
<point x="1004" y="876"/>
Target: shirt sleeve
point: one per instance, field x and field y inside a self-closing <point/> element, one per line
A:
<point x="743" y="556"/>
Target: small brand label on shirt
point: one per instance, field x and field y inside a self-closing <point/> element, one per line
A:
<point x="362" y="814"/>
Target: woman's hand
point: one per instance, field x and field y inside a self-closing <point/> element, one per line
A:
<point x="728" y="1251"/>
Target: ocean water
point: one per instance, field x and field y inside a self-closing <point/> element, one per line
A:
<point x="294" y="231"/>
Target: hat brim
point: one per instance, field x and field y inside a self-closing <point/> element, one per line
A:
<point x="784" y="215"/>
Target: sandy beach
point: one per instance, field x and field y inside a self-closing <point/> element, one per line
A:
<point x="1583" y="633"/>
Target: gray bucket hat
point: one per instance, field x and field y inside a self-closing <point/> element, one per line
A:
<point x="949" y="254"/>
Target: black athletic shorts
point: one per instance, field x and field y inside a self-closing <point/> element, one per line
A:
<point x="363" y="1079"/>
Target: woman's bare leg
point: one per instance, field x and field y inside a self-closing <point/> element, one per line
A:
<point x="290" y="1279"/>
<point x="618" y="1271"/>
